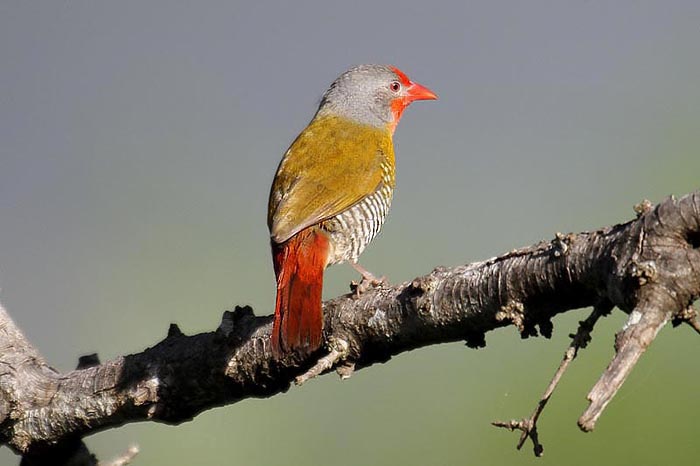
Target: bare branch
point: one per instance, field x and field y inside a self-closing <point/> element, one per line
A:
<point x="649" y="267"/>
<point x="630" y="343"/>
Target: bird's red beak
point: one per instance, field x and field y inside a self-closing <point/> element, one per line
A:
<point x="417" y="91"/>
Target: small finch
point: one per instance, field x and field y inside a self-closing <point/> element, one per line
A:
<point x="331" y="193"/>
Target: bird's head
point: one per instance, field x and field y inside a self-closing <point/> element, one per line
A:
<point x="375" y="95"/>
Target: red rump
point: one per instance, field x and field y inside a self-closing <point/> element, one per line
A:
<point x="299" y="265"/>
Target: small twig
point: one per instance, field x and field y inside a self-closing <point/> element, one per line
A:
<point x="126" y="458"/>
<point x="338" y="351"/>
<point x="528" y="426"/>
<point x="695" y="324"/>
<point x="688" y="316"/>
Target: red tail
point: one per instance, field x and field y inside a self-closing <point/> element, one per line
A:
<point x="299" y="265"/>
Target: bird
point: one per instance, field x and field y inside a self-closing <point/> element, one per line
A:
<point x="331" y="193"/>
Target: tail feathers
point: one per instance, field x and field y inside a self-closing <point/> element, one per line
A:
<point x="299" y="265"/>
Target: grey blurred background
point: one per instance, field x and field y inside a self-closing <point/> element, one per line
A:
<point x="138" y="140"/>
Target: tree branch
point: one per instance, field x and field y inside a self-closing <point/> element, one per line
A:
<point x="648" y="267"/>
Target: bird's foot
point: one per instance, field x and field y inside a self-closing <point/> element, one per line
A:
<point x="368" y="281"/>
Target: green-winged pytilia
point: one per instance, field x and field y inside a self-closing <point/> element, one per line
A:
<point x="331" y="193"/>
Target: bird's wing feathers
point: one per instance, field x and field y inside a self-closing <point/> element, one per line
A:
<point x="332" y="165"/>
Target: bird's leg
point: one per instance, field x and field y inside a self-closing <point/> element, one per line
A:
<point x="367" y="275"/>
<point x="368" y="279"/>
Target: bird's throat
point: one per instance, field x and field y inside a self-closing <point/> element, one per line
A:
<point x="397" y="108"/>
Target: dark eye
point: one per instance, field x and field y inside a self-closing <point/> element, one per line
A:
<point x="395" y="86"/>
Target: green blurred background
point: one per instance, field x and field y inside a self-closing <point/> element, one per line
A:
<point x="138" y="141"/>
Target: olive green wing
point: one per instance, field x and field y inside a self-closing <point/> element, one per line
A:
<point x="329" y="167"/>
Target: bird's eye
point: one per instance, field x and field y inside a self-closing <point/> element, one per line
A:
<point x="395" y="86"/>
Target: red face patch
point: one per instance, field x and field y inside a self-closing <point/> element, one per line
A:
<point x="399" y="104"/>
<point x="402" y="76"/>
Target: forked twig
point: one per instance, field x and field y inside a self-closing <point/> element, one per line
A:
<point x="528" y="426"/>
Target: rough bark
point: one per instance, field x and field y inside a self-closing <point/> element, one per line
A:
<point x="648" y="267"/>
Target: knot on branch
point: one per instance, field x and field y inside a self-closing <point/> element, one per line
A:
<point x="643" y="272"/>
<point x="174" y="331"/>
<point x="562" y="243"/>
<point x="418" y="286"/>
<point x="233" y="320"/>
<point x="475" y="340"/>
<point x="88" y="360"/>
<point x="514" y="312"/>
<point x="417" y="289"/>
<point x="643" y="207"/>
<point x="145" y="393"/>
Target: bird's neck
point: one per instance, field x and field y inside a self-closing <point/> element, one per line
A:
<point x="341" y="128"/>
<point x="358" y="114"/>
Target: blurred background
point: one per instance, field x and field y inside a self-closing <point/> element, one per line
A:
<point x="138" y="141"/>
